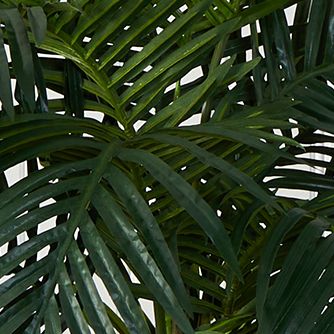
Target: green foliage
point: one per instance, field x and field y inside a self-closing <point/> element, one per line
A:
<point x="196" y="213"/>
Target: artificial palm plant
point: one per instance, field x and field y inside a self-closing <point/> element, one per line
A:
<point x="195" y="213"/>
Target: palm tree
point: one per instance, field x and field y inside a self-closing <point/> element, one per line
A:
<point x="138" y="202"/>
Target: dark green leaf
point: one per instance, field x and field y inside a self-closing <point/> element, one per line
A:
<point x="38" y="23"/>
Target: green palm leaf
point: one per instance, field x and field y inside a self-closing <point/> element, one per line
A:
<point x="196" y="213"/>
